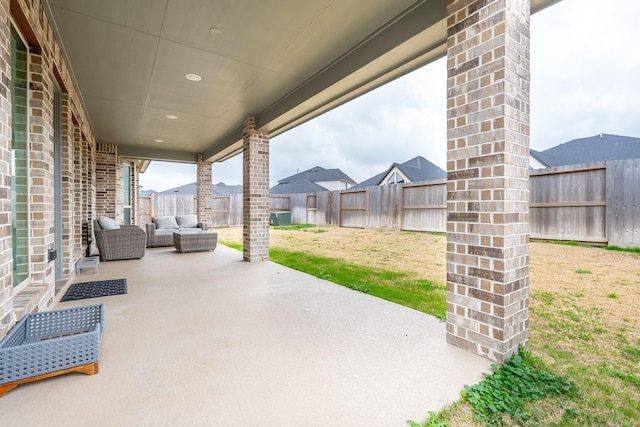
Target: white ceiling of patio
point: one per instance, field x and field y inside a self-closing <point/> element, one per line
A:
<point x="284" y="61"/>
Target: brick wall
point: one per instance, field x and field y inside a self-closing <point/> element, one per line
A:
<point x="78" y="203"/>
<point x="255" y="189"/>
<point x="204" y="186"/>
<point x="108" y="176"/>
<point x="89" y="186"/>
<point x="135" y="192"/>
<point x="6" y="255"/>
<point x="67" y="189"/>
<point x="78" y="162"/>
<point x="487" y="161"/>
<point x="41" y="172"/>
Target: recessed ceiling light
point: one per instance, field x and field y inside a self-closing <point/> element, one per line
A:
<point x="159" y="140"/>
<point x="171" y="116"/>
<point x="194" y="77"/>
<point x="215" y="31"/>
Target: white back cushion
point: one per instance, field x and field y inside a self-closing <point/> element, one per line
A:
<point x="107" y="223"/>
<point x="165" y="222"/>
<point x="187" y="221"/>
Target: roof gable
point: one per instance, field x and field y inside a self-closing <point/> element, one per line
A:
<point x="416" y="170"/>
<point x="544" y="159"/>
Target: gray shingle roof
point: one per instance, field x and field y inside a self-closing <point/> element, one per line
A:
<point x="542" y="157"/>
<point x="421" y="169"/>
<point x="319" y="174"/>
<point x="222" y="188"/>
<point x="596" y="148"/>
<point x="374" y="180"/>
<point x="192" y="188"/>
<point x="417" y="169"/>
<point x="297" y="187"/>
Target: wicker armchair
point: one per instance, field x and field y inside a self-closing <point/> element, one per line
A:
<point x="125" y="242"/>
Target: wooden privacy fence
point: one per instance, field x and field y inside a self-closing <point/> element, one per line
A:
<point x="227" y="210"/>
<point x="595" y="202"/>
<point x="569" y="204"/>
<point x="598" y="203"/>
<point x="419" y="207"/>
<point x="165" y="204"/>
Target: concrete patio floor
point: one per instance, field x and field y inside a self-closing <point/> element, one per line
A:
<point x="205" y="339"/>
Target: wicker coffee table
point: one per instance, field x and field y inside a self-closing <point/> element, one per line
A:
<point x="194" y="241"/>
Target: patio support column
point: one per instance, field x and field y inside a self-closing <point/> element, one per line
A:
<point x="41" y="171"/>
<point x="255" y="192"/>
<point x="109" y="182"/>
<point x="204" y="189"/>
<point x="488" y="185"/>
<point x="69" y="248"/>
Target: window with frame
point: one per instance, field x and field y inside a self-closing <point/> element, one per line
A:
<point x="126" y="172"/>
<point x="19" y="159"/>
<point x="395" y="178"/>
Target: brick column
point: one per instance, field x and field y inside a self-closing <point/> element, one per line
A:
<point x="41" y="170"/>
<point x="204" y="188"/>
<point x="91" y="190"/>
<point x="255" y="192"/>
<point x="109" y="182"/>
<point x="69" y="231"/>
<point x="487" y="164"/>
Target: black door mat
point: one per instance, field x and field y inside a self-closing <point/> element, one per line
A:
<point x="100" y="288"/>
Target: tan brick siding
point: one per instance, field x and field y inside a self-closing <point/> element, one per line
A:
<point x="487" y="189"/>
<point x="255" y="201"/>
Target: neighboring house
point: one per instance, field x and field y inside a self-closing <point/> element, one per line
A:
<point x="539" y="160"/>
<point x="314" y="180"/>
<point x="598" y="148"/>
<point x="297" y="187"/>
<point x="417" y="169"/>
<point x="192" y="189"/>
<point x="148" y="192"/>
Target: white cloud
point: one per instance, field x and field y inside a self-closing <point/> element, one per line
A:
<point x="584" y="71"/>
<point x="584" y="68"/>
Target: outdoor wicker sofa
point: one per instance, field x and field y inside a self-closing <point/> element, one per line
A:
<point x="160" y="229"/>
<point x="117" y="242"/>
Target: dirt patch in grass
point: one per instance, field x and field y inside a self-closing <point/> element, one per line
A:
<point x="595" y="277"/>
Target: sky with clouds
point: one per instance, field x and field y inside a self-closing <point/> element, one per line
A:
<point x="585" y="80"/>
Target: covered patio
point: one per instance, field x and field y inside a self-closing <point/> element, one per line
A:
<point x="93" y="91"/>
<point x="248" y="344"/>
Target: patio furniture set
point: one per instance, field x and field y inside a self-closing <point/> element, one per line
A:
<point x="182" y="231"/>
<point x="119" y="242"/>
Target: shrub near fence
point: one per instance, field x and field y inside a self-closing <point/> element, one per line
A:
<point x="597" y="202"/>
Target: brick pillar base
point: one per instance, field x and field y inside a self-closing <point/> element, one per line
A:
<point x="487" y="164"/>
<point x="204" y="190"/>
<point x="255" y="192"/>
